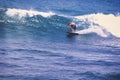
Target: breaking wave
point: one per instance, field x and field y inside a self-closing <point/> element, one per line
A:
<point x="100" y="24"/>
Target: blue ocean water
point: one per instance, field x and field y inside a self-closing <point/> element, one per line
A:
<point x="34" y="44"/>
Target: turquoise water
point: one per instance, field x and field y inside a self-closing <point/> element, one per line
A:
<point x="34" y="44"/>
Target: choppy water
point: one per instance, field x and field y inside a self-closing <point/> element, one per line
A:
<point x="34" y="44"/>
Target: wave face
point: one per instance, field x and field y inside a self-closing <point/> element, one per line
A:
<point x="101" y="24"/>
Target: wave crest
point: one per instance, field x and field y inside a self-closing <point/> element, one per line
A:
<point x="31" y="13"/>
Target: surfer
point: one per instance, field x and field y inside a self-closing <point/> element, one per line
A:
<point x="72" y="26"/>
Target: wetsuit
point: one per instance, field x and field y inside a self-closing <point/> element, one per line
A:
<point x="73" y="27"/>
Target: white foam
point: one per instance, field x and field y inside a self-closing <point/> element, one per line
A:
<point x="22" y="13"/>
<point x="92" y="30"/>
<point x="100" y="22"/>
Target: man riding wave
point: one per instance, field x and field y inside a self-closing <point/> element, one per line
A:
<point x="72" y="26"/>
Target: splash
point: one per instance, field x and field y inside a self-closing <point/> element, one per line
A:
<point x="22" y="13"/>
<point x="100" y="23"/>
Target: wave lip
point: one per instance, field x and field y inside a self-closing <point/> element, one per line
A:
<point x="22" y="13"/>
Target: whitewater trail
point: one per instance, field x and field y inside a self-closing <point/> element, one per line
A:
<point x="92" y="30"/>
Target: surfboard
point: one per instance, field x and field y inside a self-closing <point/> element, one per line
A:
<point x="71" y="34"/>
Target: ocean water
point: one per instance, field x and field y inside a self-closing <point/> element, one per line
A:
<point x="34" y="44"/>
